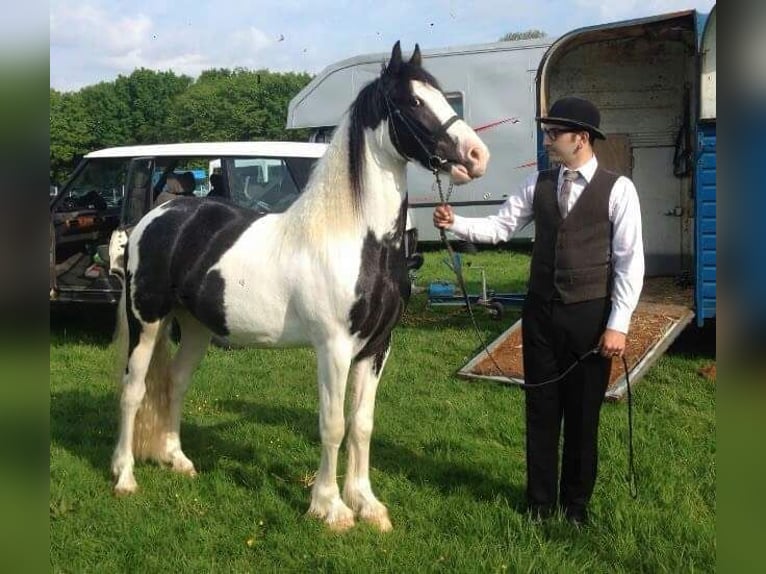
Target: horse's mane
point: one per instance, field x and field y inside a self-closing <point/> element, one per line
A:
<point x="334" y="196"/>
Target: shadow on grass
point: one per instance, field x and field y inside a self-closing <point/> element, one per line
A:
<point x="695" y="341"/>
<point x="92" y="324"/>
<point x="86" y="426"/>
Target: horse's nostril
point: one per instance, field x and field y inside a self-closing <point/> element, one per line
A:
<point x="476" y="155"/>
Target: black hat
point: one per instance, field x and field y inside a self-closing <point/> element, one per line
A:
<point x="575" y="112"/>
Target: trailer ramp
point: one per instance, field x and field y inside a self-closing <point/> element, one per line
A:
<point x="663" y="312"/>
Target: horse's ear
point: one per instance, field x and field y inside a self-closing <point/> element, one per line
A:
<point x="395" y="62"/>
<point x="416" y="59"/>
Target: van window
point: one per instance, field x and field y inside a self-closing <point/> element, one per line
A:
<point x="99" y="185"/>
<point x="455" y="99"/>
<point x="265" y="184"/>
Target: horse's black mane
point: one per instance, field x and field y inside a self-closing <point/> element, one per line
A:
<point x="371" y="106"/>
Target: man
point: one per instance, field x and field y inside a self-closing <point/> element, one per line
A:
<point x="176" y="184"/>
<point x="216" y="185"/>
<point x="586" y="275"/>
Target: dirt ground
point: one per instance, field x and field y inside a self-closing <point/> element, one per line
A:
<point x="662" y="303"/>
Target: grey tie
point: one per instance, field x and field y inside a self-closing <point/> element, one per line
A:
<point x="566" y="190"/>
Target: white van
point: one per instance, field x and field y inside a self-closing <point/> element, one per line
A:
<point x="113" y="188"/>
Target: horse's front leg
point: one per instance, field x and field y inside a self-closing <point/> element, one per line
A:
<point x="333" y="363"/>
<point x="357" y="490"/>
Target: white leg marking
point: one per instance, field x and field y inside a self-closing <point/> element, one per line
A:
<point x="333" y="362"/>
<point x="134" y="388"/>
<point x="195" y="338"/>
<point x="357" y="490"/>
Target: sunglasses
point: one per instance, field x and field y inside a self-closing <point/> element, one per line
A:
<point x="553" y="133"/>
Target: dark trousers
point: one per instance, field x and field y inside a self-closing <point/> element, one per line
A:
<point x="554" y="336"/>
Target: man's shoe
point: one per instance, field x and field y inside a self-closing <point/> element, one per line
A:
<point x="540" y="512"/>
<point x="576" y="516"/>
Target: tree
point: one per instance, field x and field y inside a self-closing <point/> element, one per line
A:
<point x="161" y="107"/>
<point x="526" y="35"/>
<point x="236" y="105"/>
<point x="150" y="97"/>
<point x="106" y="111"/>
<point x="69" y="137"/>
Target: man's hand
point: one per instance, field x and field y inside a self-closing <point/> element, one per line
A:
<point x="612" y="343"/>
<point x="444" y="217"/>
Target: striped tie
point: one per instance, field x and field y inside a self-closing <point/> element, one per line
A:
<point x="566" y="190"/>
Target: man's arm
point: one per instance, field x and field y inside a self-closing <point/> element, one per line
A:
<point x="627" y="263"/>
<point x="513" y="215"/>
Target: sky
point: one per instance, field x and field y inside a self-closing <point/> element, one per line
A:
<point x="97" y="40"/>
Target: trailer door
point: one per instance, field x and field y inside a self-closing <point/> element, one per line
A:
<point x="705" y="181"/>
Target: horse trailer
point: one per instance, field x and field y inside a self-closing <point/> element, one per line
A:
<point x="653" y="79"/>
<point x="490" y="86"/>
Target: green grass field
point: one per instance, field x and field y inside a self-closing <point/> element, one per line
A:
<point x="447" y="458"/>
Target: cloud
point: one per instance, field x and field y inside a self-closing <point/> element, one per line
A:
<point x="74" y="24"/>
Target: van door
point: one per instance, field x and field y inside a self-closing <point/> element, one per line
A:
<point x="83" y="217"/>
<point x="139" y="195"/>
<point x="138" y="200"/>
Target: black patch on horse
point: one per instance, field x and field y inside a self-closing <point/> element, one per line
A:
<point x="134" y="326"/>
<point x="177" y="251"/>
<point x="383" y="290"/>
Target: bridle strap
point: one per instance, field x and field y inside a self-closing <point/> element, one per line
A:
<point x="446" y="125"/>
<point x="434" y="161"/>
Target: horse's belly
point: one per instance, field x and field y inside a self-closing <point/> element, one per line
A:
<point x="256" y="321"/>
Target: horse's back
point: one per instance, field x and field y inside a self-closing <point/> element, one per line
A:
<point x="172" y="252"/>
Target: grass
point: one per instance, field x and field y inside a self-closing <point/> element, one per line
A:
<point x="447" y="458"/>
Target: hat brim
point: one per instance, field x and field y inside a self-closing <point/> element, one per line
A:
<point x="573" y="124"/>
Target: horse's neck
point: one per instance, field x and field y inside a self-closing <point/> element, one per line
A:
<point x="326" y="210"/>
<point x="384" y="183"/>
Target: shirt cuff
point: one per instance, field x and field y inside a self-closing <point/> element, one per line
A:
<point x="459" y="227"/>
<point x="619" y="320"/>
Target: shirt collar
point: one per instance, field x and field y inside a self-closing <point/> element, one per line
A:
<point x="587" y="170"/>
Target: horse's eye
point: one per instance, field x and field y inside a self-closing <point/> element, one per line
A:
<point x="416" y="101"/>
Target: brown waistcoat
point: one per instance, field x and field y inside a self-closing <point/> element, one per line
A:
<point x="571" y="258"/>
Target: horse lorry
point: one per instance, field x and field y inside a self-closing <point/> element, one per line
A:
<point x="653" y="79"/>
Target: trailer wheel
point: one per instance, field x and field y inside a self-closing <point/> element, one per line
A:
<point x="495" y="310"/>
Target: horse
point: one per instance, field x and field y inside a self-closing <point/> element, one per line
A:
<point x="329" y="272"/>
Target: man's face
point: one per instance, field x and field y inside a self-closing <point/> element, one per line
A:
<point x="562" y="142"/>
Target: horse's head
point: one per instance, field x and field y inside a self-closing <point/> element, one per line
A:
<point x="422" y="125"/>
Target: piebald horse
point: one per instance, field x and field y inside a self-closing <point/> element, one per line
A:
<point x="329" y="272"/>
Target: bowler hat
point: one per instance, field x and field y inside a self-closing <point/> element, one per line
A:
<point x="575" y="112"/>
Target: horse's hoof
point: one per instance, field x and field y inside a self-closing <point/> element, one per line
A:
<point x="379" y="520"/>
<point x="337" y="519"/>
<point x="341" y="524"/>
<point x="185" y="467"/>
<point x="121" y="490"/>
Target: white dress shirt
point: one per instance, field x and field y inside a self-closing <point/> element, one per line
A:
<point x="627" y="242"/>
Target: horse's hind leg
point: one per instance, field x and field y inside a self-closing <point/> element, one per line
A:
<point x="133" y="391"/>
<point x="333" y="361"/>
<point x="357" y="490"/>
<point x="195" y="338"/>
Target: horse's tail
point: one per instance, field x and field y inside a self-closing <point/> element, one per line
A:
<point x="153" y="417"/>
<point x="120" y="339"/>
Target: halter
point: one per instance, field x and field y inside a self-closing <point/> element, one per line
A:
<point x="434" y="161"/>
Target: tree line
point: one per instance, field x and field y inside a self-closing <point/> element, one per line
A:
<point x="150" y="107"/>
